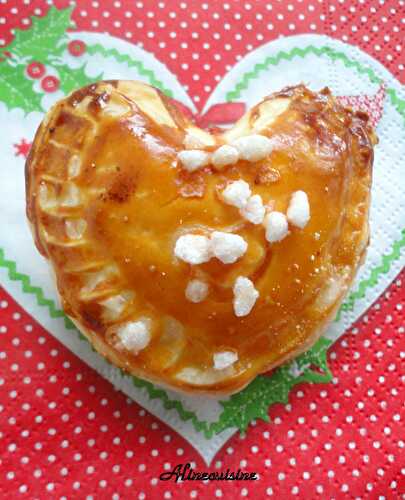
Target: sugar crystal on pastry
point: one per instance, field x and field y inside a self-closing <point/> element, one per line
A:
<point x="276" y="226"/>
<point x="254" y="209"/>
<point x="253" y="147"/>
<point x="236" y="193"/>
<point x="134" y="335"/>
<point x="193" y="248"/>
<point x="225" y="155"/>
<point x="227" y="247"/>
<point x="298" y="212"/>
<point x="245" y="296"/>
<point x="193" y="159"/>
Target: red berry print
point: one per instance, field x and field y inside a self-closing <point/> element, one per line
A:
<point x="50" y="83"/>
<point x="76" y="48"/>
<point x="36" y="70"/>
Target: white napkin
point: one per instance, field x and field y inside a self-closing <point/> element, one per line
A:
<point x="345" y="69"/>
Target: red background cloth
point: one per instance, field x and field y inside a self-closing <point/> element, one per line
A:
<point x="64" y="431"/>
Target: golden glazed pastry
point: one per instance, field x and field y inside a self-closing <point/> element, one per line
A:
<point x="199" y="260"/>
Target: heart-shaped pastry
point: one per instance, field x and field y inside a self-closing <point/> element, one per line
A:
<point x="192" y="259"/>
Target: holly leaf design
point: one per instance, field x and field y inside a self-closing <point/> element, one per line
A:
<point x="71" y="79"/>
<point x="44" y="36"/>
<point x="16" y="89"/>
<point x="254" y="401"/>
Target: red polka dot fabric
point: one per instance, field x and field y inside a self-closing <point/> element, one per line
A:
<point x="200" y="41"/>
<point x="65" y="432"/>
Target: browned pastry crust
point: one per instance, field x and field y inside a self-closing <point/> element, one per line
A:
<point x="107" y="198"/>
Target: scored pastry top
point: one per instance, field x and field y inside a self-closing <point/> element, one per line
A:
<point x="194" y="259"/>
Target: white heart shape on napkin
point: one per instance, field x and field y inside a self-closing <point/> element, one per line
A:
<point x="317" y="71"/>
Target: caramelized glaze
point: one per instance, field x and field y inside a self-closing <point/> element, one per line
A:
<point x="135" y="200"/>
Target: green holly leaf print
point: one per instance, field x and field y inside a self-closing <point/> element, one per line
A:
<point x="43" y="38"/>
<point x="254" y="401"/>
<point x="16" y="89"/>
<point x="71" y="79"/>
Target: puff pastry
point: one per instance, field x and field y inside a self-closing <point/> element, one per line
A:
<point x="192" y="259"/>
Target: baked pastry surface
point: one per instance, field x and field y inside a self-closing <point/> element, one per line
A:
<point x="118" y="179"/>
